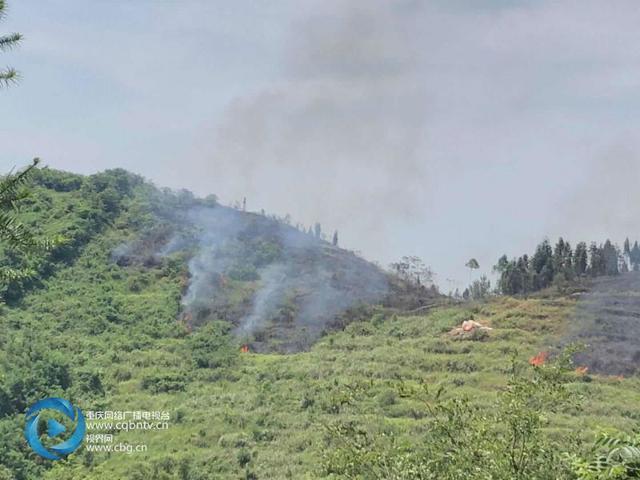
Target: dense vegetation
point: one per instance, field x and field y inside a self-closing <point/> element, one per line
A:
<point x="390" y="395"/>
<point x="560" y="265"/>
<point x="108" y="301"/>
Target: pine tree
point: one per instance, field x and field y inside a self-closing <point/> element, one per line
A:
<point x="335" y="239"/>
<point x="7" y="42"/>
<point x="542" y="263"/>
<point x="597" y="262"/>
<point x="523" y="276"/>
<point x="611" y="256"/>
<point x="626" y="252"/>
<point x="635" y="257"/>
<point x="14" y="235"/>
<point x="581" y="259"/>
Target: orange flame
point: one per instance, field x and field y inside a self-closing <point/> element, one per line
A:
<point x="582" y="370"/>
<point x="539" y="359"/>
<point x="244" y="349"/>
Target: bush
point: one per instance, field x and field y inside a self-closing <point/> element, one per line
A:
<point x="212" y="346"/>
<point x="164" y="382"/>
<point x="506" y="441"/>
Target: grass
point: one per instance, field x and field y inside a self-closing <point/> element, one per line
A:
<point x="265" y="416"/>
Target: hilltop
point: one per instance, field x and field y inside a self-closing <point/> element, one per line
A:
<point x="278" y="287"/>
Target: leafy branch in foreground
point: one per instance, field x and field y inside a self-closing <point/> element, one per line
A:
<point x="613" y="456"/>
<point x="14" y="235"/>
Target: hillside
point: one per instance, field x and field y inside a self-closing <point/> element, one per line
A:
<point x="607" y="322"/>
<point x="145" y="308"/>
<point x="279" y="287"/>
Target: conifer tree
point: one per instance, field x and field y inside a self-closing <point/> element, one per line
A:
<point x="14" y="235"/>
<point x="8" y="75"/>
<point x="542" y="263"/>
<point x="611" y="256"/>
<point x="635" y="257"/>
<point x="581" y="259"/>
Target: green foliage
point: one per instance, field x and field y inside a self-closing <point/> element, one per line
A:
<point x="14" y="235"/>
<point x="101" y="325"/>
<point x="7" y="42"/>
<point x="32" y="372"/>
<point x="59" y="214"/>
<point x="479" y="290"/>
<point x="559" y="266"/>
<point x="164" y="382"/>
<point x="613" y="456"/>
<point x="212" y="347"/>
<point x="502" y="441"/>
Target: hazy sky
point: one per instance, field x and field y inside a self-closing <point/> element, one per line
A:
<point x="445" y="129"/>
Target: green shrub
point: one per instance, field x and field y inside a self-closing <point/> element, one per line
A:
<point x="211" y="346"/>
<point x="164" y="382"/>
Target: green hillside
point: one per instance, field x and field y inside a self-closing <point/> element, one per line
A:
<point x="145" y="305"/>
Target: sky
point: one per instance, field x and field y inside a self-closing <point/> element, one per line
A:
<point x="447" y="129"/>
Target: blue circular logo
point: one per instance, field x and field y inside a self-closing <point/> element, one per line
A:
<point x="54" y="428"/>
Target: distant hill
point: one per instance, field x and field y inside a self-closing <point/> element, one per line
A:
<point x="278" y="286"/>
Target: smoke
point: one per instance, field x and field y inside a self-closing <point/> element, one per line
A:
<point x="266" y="277"/>
<point x="273" y="280"/>
<point x="301" y="296"/>
<point x="215" y="228"/>
<point x="122" y="253"/>
<point x="416" y="126"/>
<point x="344" y="132"/>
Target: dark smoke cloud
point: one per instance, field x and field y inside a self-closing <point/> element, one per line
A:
<point x="343" y="135"/>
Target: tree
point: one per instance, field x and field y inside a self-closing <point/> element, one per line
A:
<point x="563" y="260"/>
<point x="515" y="277"/>
<point x="472" y="265"/>
<point x="480" y="289"/>
<point x="14" y="234"/>
<point x="597" y="263"/>
<point x="335" y="239"/>
<point x="581" y="259"/>
<point x="635" y="257"/>
<point x="7" y="42"/>
<point x="413" y="269"/>
<point x="611" y="257"/>
<point x="542" y="265"/>
<point x="626" y="252"/>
